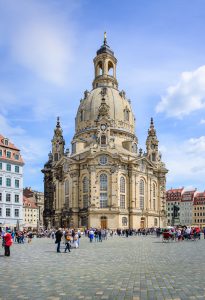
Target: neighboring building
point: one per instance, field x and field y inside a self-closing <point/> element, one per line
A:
<point x="173" y="197"/>
<point x="106" y="181"/>
<point x="186" y="207"/>
<point x="30" y="214"/>
<point x="11" y="185"/>
<point x="38" y="199"/>
<point x="199" y="210"/>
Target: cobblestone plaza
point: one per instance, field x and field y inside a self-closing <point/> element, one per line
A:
<point x="119" y="268"/>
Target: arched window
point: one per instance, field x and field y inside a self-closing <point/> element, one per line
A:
<point x="122" y="192"/>
<point x="124" y="221"/>
<point x="99" y="69"/>
<point x="103" y="191"/>
<point x="142" y="192"/>
<point x="122" y="184"/>
<point x="103" y="140"/>
<point x="56" y="157"/>
<point x="110" y="69"/>
<point x="85" y="191"/>
<point x="154" y="195"/>
<point x="82" y="115"/>
<point x="153" y="156"/>
<point x="67" y="193"/>
<point x="126" y="115"/>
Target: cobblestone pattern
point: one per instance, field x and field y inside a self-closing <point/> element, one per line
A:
<point x="137" y="268"/>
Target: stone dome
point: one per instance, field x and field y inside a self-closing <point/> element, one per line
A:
<point x="120" y="110"/>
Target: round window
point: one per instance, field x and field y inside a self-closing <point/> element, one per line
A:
<point x="103" y="160"/>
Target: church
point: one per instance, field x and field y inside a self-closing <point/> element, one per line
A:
<point x="106" y="181"/>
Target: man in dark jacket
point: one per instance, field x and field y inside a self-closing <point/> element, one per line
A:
<point x="58" y="239"/>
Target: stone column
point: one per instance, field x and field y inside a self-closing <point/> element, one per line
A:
<point x="93" y="186"/>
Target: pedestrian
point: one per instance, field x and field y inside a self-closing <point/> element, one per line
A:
<point x="30" y="236"/>
<point x="204" y="232"/>
<point x="7" y="242"/>
<point x="67" y="242"/>
<point x="91" y="235"/>
<point x="76" y="244"/>
<point x="58" y="239"/>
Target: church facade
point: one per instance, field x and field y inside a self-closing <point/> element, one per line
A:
<point x="106" y="181"/>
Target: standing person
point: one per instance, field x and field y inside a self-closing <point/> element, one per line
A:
<point x="91" y="235"/>
<point x="58" y="239"/>
<point x="53" y="235"/>
<point x="30" y="236"/>
<point x="7" y="242"/>
<point x="204" y="232"/>
<point x="67" y="242"/>
<point x="76" y="238"/>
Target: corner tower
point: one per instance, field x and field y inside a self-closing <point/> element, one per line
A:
<point x="58" y="142"/>
<point x="152" y="143"/>
<point x="105" y="67"/>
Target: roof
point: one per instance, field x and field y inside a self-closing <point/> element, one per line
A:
<point x="28" y="203"/>
<point x="12" y="148"/>
<point x="175" y="190"/>
<point x="10" y="145"/>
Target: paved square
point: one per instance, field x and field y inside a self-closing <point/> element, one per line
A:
<point x="119" y="268"/>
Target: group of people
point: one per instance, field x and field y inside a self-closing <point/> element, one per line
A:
<point x="8" y="237"/>
<point x="71" y="238"/>
<point x="183" y="233"/>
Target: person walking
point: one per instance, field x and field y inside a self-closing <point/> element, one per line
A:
<point x="7" y="242"/>
<point x="67" y="242"/>
<point x="58" y="239"/>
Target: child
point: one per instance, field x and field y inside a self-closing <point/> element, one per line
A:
<point x="67" y="243"/>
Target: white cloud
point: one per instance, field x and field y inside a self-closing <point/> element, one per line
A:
<point x="39" y="39"/>
<point x="202" y="121"/>
<point x="186" y="96"/>
<point x="185" y="161"/>
<point x="8" y="130"/>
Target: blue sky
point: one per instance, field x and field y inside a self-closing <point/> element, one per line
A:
<point x="46" y="58"/>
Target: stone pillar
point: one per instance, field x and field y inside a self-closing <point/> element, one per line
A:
<point x="114" y="188"/>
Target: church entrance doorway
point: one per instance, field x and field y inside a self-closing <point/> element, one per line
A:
<point x="103" y="222"/>
<point x="142" y="223"/>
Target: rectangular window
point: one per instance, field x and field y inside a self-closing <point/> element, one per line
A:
<point x="8" y="167"/>
<point x="16" y="198"/>
<point x="8" y="197"/>
<point x="8" y="154"/>
<point x="8" y="181"/>
<point x="16" y="212"/>
<point x="0" y="211"/>
<point x="103" y="200"/>
<point x="0" y="153"/>
<point x="122" y="201"/>
<point x="17" y="169"/>
<point x="142" y="202"/>
<point x="0" y="165"/>
<point x="85" y="200"/>
<point x="16" y="183"/>
<point x="0" y="197"/>
<point x="0" y="180"/>
<point x="8" y="212"/>
<point x="16" y="156"/>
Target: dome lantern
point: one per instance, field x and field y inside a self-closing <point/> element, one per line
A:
<point x="105" y="67"/>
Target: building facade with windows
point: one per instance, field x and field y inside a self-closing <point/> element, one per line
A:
<point x="30" y="214"/>
<point x="106" y="181"/>
<point x="38" y="199"/>
<point x="186" y="207"/>
<point x="199" y="209"/>
<point x="11" y="185"/>
<point x="173" y="198"/>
